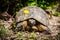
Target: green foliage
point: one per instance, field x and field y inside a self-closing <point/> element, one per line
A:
<point x="4" y="32"/>
<point x="14" y="25"/>
<point x="55" y="13"/>
<point x="32" y="3"/>
<point x="19" y="35"/>
<point x="47" y="3"/>
<point x="33" y="35"/>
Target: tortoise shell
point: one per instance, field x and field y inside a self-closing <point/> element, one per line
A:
<point x="32" y="12"/>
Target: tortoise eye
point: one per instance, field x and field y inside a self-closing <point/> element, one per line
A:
<point x="26" y="11"/>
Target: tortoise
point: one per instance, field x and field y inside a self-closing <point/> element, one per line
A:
<point x="34" y="16"/>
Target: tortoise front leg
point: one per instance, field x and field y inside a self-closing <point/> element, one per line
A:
<point x="24" y="25"/>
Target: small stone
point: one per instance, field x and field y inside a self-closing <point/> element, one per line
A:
<point x="37" y="33"/>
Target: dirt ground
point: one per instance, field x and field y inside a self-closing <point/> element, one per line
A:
<point x="10" y="34"/>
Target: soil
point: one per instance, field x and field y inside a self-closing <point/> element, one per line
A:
<point x="25" y="35"/>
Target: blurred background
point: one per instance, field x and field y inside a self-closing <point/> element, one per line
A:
<point x="12" y="6"/>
